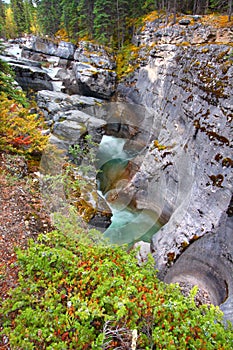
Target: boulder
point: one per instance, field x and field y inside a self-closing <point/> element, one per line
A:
<point x="52" y="102"/>
<point x="61" y="49"/>
<point x="76" y="125"/>
<point x="92" y="81"/>
<point x="94" y="55"/>
<point x="31" y="77"/>
<point x="184" y="22"/>
<point x="86" y="70"/>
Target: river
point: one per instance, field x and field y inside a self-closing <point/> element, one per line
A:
<point x="128" y="224"/>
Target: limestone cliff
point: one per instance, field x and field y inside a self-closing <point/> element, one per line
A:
<point x="187" y="79"/>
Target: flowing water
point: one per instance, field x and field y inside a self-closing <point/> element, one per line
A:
<point x="128" y="224"/>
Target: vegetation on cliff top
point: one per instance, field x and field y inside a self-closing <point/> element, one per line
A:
<point x="110" y="23"/>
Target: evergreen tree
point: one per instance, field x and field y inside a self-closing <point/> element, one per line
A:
<point x="122" y="11"/>
<point x="104" y="21"/>
<point x="29" y="11"/>
<point x="49" y="16"/>
<point x="70" y="17"/>
<point x="18" y="9"/>
<point x="86" y="18"/>
<point x="2" y="19"/>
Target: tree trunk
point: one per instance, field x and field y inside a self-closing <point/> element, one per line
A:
<point x="230" y="9"/>
<point x="174" y="10"/>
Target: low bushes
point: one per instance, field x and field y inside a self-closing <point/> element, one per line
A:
<point x="77" y="292"/>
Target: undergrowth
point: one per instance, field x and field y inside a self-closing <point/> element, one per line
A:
<point x="20" y="130"/>
<point x="76" y="291"/>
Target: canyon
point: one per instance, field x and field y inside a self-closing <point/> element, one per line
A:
<point x="174" y="110"/>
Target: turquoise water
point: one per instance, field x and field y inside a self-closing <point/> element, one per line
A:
<point x="128" y="225"/>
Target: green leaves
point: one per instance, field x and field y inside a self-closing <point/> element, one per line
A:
<point x="74" y="294"/>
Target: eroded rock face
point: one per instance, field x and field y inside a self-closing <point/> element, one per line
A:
<point x="92" y="81"/>
<point x="29" y="74"/>
<point x="206" y="263"/>
<point x="183" y="33"/>
<point x="186" y="175"/>
<point x="68" y="123"/>
<point x="86" y="69"/>
<point x="60" y="49"/>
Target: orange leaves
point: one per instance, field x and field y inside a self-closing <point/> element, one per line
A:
<point x="71" y="310"/>
<point x="20" y="131"/>
<point x="13" y="107"/>
<point x="21" y="141"/>
<point x="65" y="336"/>
<point x="217" y="20"/>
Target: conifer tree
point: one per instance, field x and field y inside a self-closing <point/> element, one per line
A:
<point x="18" y="9"/>
<point x="29" y="11"/>
<point x="86" y="18"/>
<point x="49" y="16"/>
<point x="2" y="18"/>
<point x="70" y="17"/>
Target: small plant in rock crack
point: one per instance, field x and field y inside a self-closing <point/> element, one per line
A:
<point x="70" y="179"/>
<point x="84" y="156"/>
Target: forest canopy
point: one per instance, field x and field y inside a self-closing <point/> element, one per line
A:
<point x="108" y="22"/>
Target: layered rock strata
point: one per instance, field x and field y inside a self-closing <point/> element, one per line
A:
<point x="186" y="174"/>
<point x="85" y="69"/>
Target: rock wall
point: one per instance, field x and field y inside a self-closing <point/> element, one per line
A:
<point x="85" y="69"/>
<point x="186" y="174"/>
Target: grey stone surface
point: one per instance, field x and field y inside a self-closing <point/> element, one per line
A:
<point x="186" y="175"/>
<point x="31" y="77"/>
<point x="52" y="102"/>
<point x="95" y="55"/>
<point x="92" y="81"/>
<point x="184" y="22"/>
<point x="182" y="34"/>
<point x="86" y="70"/>
<point x="62" y="49"/>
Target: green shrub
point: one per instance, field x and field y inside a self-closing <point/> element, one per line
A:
<point x="77" y="292"/>
<point x="7" y="83"/>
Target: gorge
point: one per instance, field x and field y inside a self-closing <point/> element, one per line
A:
<point x="175" y="112"/>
